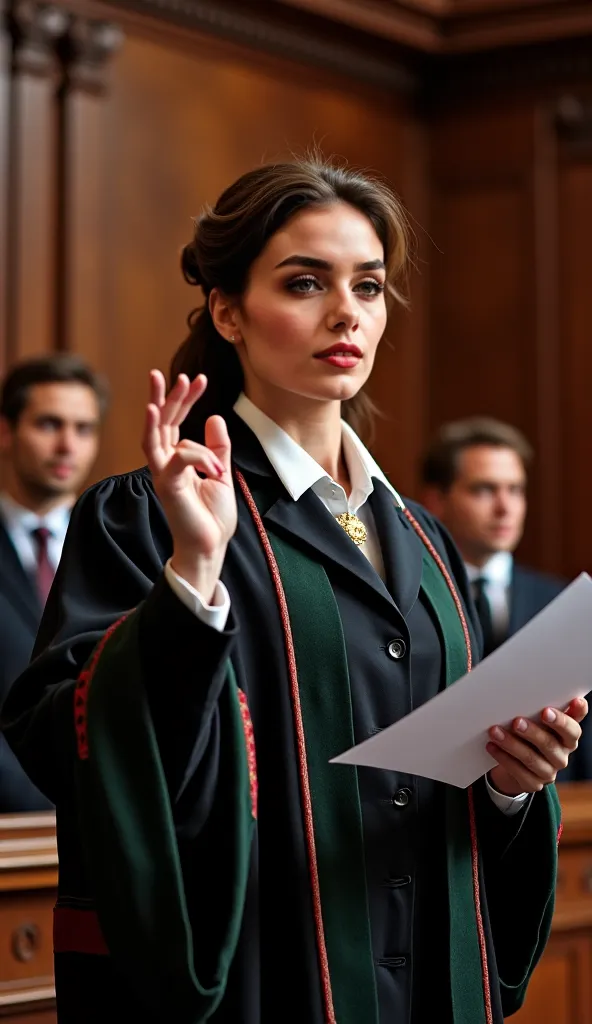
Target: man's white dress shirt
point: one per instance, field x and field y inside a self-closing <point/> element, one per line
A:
<point x="20" y="525"/>
<point x="497" y="577"/>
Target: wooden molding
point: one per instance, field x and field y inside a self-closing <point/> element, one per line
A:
<point x="28" y="850"/>
<point x="320" y="45"/>
<point x="35" y="996"/>
<point x="41" y="32"/>
<point x="464" y="79"/>
<point x="34" y="29"/>
<point x="399" y="45"/>
<point x="85" y="50"/>
<point x="458" y="26"/>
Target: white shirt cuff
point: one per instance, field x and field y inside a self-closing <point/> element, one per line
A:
<point x="507" y="804"/>
<point x="214" y="614"/>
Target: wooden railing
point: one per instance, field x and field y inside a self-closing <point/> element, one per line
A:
<point x="561" y="988"/>
<point x="28" y="880"/>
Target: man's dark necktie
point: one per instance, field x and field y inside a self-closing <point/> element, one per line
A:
<point x="45" y="572"/>
<point x="484" y="612"/>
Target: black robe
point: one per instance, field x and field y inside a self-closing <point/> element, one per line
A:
<point x="116" y="547"/>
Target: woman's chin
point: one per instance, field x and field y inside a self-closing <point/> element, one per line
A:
<point x="341" y="387"/>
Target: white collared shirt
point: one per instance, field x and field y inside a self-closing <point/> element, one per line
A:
<point x="299" y="472"/>
<point x="497" y="573"/>
<point x="21" y="522"/>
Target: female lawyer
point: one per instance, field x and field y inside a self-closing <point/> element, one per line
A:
<point x="226" y="620"/>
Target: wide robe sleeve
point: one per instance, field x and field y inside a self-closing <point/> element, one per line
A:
<point x="519" y="865"/>
<point x="129" y="718"/>
<point x="518" y="853"/>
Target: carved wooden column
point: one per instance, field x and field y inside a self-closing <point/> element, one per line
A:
<point x="85" y="51"/>
<point x="28" y="302"/>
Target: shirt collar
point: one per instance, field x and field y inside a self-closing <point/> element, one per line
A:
<point x="298" y="471"/>
<point x="497" y="569"/>
<point x="17" y="517"/>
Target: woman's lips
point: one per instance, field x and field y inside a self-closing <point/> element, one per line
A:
<point x="342" y="355"/>
<point x="345" y="360"/>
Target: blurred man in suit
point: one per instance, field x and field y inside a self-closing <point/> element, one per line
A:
<point x="50" y="414"/>
<point x="474" y="476"/>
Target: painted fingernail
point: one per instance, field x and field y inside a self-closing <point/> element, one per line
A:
<point x="521" y="725"/>
<point x="497" y="733"/>
<point x="550" y="715"/>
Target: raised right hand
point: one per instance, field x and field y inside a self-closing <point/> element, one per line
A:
<point x="201" y="513"/>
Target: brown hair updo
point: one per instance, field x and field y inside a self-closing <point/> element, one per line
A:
<point x="229" y="237"/>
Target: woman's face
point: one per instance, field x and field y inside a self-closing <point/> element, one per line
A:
<point x="314" y="309"/>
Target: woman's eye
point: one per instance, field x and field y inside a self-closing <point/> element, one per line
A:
<point x="303" y="285"/>
<point x="370" y="287"/>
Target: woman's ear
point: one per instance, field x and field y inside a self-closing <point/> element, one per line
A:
<point x="222" y="312"/>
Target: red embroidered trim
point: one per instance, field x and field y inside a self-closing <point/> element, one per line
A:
<point x="473" y="825"/>
<point x="301" y="744"/>
<point x="559" y="833"/>
<point x="432" y="550"/>
<point x="250" y="743"/>
<point x="77" y="931"/>
<point x="81" y="692"/>
<point x="477" y="896"/>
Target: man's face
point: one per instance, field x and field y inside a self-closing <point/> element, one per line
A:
<point x="54" y="443"/>
<point x="486" y="505"/>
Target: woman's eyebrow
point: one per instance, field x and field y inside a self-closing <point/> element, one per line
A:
<point x="316" y="264"/>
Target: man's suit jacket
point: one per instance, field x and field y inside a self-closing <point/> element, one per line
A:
<point x="20" y="615"/>
<point x="530" y="592"/>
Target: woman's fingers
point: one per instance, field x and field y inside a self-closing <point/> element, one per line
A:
<point x="152" y="440"/>
<point x="577" y="709"/>
<point x="218" y="441"/>
<point x="540" y="751"/>
<point x="196" y="389"/>
<point x="527" y="781"/>
<point x="565" y="726"/>
<point x="201" y="458"/>
<point x="175" y="400"/>
<point x="157" y="388"/>
<point x="164" y="414"/>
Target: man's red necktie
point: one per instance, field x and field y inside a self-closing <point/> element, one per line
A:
<point x="45" y="571"/>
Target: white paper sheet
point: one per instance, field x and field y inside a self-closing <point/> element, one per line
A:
<point x="548" y="662"/>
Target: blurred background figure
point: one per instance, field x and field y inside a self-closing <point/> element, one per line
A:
<point x="50" y="414"/>
<point x="474" y="479"/>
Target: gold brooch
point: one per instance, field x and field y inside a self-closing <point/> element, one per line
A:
<point x="353" y="526"/>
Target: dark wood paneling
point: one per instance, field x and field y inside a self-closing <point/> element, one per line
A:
<point x="495" y="341"/>
<point x="400" y="378"/>
<point x="575" y="206"/>
<point x="560" y="991"/>
<point x="4" y="136"/>
<point x="478" y="359"/>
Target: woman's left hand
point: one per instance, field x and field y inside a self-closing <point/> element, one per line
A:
<point x="529" y="753"/>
